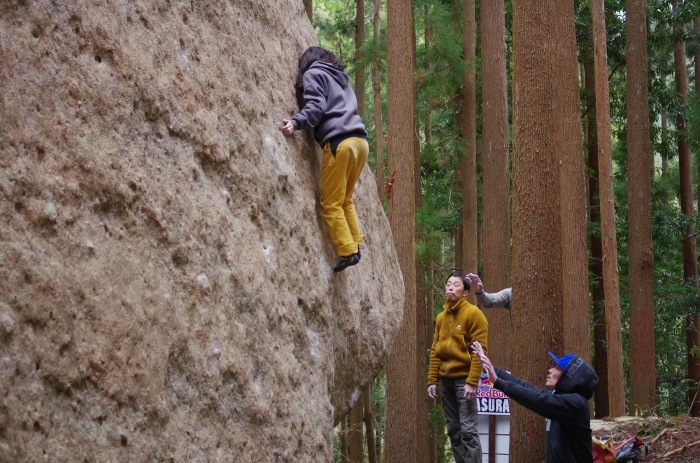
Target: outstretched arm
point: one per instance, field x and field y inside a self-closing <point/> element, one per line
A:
<point x="558" y="407"/>
<point x="488" y="300"/>
<point x="502" y="299"/>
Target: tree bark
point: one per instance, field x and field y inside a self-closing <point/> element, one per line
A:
<point x="572" y="184"/>
<point x="611" y="280"/>
<point x="369" y="424"/>
<point x="600" y="352"/>
<point x="356" y="412"/>
<point x="355" y="432"/>
<point x="640" y="165"/>
<point x="359" y="55"/>
<point x="690" y="265"/>
<point x="495" y="164"/>
<point x="435" y="430"/>
<point x="378" y="118"/>
<point x="421" y="320"/>
<point x="309" y="7"/>
<point x="468" y="161"/>
<point x="404" y="381"/>
<point x="428" y="38"/>
<point x="549" y="242"/>
<point x="344" y="440"/>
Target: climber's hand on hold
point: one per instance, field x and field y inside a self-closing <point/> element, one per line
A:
<point x="287" y="127"/>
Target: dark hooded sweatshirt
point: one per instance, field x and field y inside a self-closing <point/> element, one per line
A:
<point x="330" y="105"/>
<point x="566" y="409"/>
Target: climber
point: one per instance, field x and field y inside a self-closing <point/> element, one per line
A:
<point x="330" y="107"/>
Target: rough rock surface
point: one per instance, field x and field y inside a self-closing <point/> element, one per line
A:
<point x="166" y="292"/>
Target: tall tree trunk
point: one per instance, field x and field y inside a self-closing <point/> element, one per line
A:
<point x="694" y="361"/>
<point x="690" y="265"/>
<point x="468" y="162"/>
<point x="664" y="142"/>
<point x="548" y="204"/>
<point x="611" y="280"/>
<point x="355" y="433"/>
<point x="309" y="7"/>
<point x="696" y="22"/>
<point x="369" y="424"/>
<point x="495" y="165"/>
<point x="666" y="152"/>
<point x="421" y="320"/>
<point x="404" y="381"/>
<point x="600" y="352"/>
<point x="356" y="412"/>
<point x="434" y="430"/>
<point x="572" y="184"/>
<point x="379" y="432"/>
<point x="459" y="246"/>
<point x="359" y="55"/>
<point x="377" y="91"/>
<point x="428" y="271"/>
<point x="642" y="371"/>
<point x="344" y="440"/>
<point x="536" y="234"/>
<point x="696" y="57"/>
<point x="428" y="39"/>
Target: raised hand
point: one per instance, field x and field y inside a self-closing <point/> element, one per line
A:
<point x="485" y="361"/>
<point x="477" y="287"/>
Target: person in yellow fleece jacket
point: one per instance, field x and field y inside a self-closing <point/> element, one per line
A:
<point x="455" y="370"/>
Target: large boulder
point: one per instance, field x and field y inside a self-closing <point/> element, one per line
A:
<point x="166" y="284"/>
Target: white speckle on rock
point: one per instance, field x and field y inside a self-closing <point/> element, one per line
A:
<point x="226" y="194"/>
<point x="314" y="344"/>
<point x="50" y="211"/>
<point x="272" y="146"/>
<point x="203" y="281"/>
<point x="267" y="251"/>
<point x="217" y="352"/>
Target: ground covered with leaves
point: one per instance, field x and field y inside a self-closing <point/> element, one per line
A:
<point x="675" y="439"/>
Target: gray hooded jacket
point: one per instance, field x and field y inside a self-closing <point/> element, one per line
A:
<point x="330" y="105"/>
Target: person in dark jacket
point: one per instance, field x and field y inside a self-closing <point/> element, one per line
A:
<point x="566" y="409"/>
<point x="330" y="107"/>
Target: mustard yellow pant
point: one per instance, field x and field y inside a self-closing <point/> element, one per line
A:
<point x="339" y="174"/>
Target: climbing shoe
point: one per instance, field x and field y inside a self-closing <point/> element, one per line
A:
<point x="347" y="261"/>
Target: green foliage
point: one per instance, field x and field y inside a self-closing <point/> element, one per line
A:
<point x="334" y="22"/>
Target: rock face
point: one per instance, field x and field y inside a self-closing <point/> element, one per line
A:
<point x="166" y="292"/>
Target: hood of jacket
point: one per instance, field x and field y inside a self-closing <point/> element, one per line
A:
<point x="338" y="75"/>
<point x="578" y="377"/>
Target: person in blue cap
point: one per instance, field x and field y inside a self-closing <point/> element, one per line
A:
<point x="565" y="407"/>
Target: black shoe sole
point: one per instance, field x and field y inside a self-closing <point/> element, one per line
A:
<point x="347" y="261"/>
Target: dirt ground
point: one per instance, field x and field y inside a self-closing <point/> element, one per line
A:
<point x="675" y="439"/>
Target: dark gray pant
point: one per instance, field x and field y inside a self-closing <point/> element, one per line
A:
<point x="461" y="418"/>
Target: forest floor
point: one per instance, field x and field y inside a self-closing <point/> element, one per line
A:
<point x="674" y="439"/>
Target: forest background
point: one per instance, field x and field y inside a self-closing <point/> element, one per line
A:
<point x="435" y="87"/>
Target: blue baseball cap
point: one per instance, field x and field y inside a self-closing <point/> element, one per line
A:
<point x="563" y="361"/>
